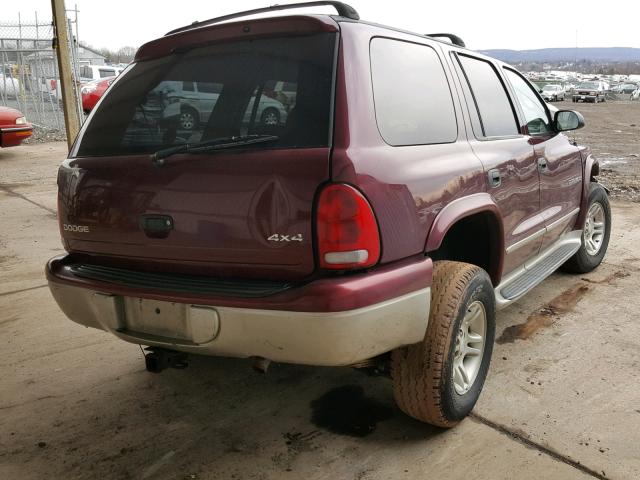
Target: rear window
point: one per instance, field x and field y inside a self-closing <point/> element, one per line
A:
<point x="277" y="86"/>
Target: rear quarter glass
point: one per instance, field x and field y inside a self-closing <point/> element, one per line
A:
<point x="239" y="92"/>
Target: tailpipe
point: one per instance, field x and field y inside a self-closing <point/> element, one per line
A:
<point x="159" y="359"/>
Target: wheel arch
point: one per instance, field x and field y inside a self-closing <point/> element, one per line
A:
<point x="467" y="214"/>
<point x="591" y="171"/>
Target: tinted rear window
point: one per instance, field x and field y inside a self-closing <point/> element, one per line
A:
<point x="278" y="86"/>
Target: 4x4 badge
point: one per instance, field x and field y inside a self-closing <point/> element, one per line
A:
<point x="276" y="237"/>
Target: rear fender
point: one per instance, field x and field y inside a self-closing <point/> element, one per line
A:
<point x="465" y="207"/>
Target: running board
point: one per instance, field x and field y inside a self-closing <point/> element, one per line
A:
<point x="527" y="276"/>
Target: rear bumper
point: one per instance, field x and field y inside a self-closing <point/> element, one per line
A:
<point x="213" y="326"/>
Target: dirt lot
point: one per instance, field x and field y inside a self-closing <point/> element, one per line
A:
<point x="561" y="401"/>
<point x="613" y="132"/>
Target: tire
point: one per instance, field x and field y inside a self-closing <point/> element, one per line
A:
<point x="188" y="119"/>
<point x="424" y="383"/>
<point x="270" y="116"/>
<point x="588" y="257"/>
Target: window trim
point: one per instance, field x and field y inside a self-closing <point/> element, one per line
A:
<point x="523" y="121"/>
<point x="447" y="79"/>
<point x="514" y="109"/>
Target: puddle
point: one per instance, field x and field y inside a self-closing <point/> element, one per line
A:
<point x="544" y="317"/>
<point x="347" y="411"/>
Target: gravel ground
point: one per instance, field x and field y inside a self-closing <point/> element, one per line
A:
<point x="613" y="133"/>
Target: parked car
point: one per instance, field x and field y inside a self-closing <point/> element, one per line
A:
<point x="344" y="236"/>
<point x="553" y="93"/>
<point x="14" y="127"/>
<point x="589" y="91"/>
<point x="192" y="103"/>
<point x="92" y="92"/>
<point x="628" y="88"/>
<point x="88" y="73"/>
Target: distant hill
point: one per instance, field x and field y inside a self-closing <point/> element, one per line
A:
<point x="614" y="54"/>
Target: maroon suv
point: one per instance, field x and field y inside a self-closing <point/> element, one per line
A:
<point x="409" y="188"/>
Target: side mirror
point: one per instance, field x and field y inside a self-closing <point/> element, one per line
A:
<point x="565" y="120"/>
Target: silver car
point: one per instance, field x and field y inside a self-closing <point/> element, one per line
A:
<point x="193" y="102"/>
<point x="553" y="93"/>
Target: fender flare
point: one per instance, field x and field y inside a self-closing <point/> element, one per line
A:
<point x="590" y="164"/>
<point x="465" y="207"/>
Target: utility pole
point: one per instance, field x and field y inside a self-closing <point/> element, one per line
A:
<point x="69" y="92"/>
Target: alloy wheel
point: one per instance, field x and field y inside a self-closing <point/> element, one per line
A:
<point x="594" y="229"/>
<point x="187" y="120"/>
<point x="469" y="347"/>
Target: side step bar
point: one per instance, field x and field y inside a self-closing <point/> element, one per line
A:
<point x="527" y="276"/>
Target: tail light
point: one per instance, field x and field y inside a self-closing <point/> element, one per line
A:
<point x="347" y="229"/>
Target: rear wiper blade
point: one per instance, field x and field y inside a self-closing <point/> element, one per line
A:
<point x="159" y="157"/>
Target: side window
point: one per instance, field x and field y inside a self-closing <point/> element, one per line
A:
<point x="411" y="93"/>
<point x="103" y="72"/>
<point x="534" y="112"/>
<point x="207" y="87"/>
<point x="187" y="86"/>
<point x="497" y="118"/>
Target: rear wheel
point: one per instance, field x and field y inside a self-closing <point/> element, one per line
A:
<point x="595" y="234"/>
<point x="270" y="116"/>
<point x="188" y="119"/>
<point x="439" y="380"/>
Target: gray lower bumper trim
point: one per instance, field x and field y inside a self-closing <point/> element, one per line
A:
<point x="311" y="338"/>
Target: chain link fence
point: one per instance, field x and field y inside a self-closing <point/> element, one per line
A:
<point x="29" y="78"/>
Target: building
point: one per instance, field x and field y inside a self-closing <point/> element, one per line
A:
<point x="44" y="64"/>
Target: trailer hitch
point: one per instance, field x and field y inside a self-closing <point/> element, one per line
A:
<point x="159" y="359"/>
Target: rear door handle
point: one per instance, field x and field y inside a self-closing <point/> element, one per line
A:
<point x="495" y="179"/>
<point x="542" y="164"/>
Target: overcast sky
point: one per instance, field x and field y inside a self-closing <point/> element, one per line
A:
<point x="483" y="24"/>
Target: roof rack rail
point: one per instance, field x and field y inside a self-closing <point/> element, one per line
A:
<point x="343" y="10"/>
<point x="456" y="40"/>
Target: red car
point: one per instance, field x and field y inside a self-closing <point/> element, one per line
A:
<point x="14" y="127"/>
<point x="93" y="91"/>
